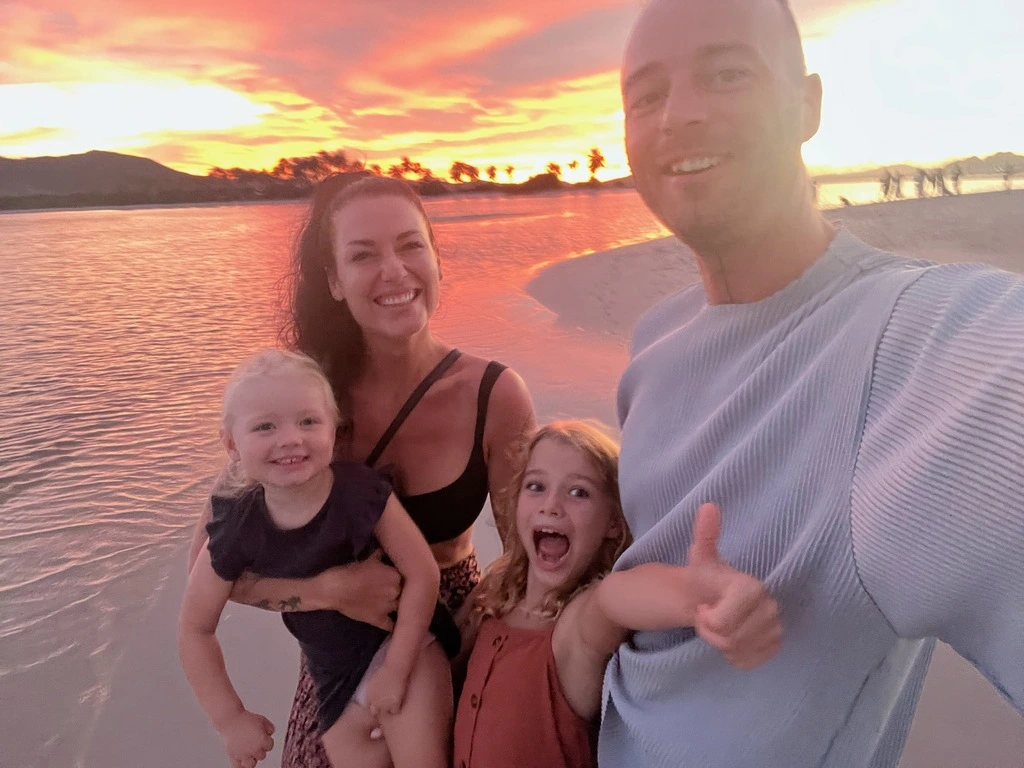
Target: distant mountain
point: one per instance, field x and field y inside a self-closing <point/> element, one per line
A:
<point x="98" y="173"/>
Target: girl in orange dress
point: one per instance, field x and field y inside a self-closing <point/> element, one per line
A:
<point x="546" y="618"/>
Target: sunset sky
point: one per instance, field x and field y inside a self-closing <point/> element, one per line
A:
<point x="198" y="83"/>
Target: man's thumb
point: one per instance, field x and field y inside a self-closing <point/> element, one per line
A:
<point x="706" y="529"/>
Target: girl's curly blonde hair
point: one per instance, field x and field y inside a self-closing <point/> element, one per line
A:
<point x="504" y="584"/>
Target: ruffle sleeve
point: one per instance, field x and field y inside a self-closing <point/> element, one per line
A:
<point x="361" y="493"/>
<point x="226" y="532"/>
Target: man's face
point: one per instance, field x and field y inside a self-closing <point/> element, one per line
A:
<point x="715" y="115"/>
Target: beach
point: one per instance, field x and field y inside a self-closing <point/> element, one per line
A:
<point x="582" y="309"/>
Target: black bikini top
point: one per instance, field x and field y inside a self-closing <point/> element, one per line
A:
<point x="445" y="513"/>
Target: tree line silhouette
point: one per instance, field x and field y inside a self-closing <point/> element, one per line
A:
<point x="313" y="168"/>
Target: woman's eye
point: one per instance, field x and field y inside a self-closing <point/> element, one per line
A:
<point x="360" y="256"/>
<point x="310" y="421"/>
<point x="579" y="493"/>
<point x="533" y="486"/>
<point x="413" y="245"/>
<point x="265" y="426"/>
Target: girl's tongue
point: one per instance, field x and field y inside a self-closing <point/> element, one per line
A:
<point x="551" y="547"/>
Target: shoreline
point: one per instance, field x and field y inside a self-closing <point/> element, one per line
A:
<point x="608" y="291"/>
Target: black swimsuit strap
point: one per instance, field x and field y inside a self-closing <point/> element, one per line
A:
<point x="414" y="399"/>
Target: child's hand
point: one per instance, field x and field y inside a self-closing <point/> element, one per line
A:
<point x="735" y="613"/>
<point x="246" y="738"/>
<point x="385" y="692"/>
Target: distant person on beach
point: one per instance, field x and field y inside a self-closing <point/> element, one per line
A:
<point x="886" y="184"/>
<point x="293" y="513"/>
<point x="859" y="418"/>
<point x="547" y="616"/>
<point x="443" y="423"/>
<point x="919" y="179"/>
<point x="954" y="178"/>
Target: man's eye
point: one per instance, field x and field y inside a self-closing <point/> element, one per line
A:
<point x="731" y="75"/>
<point x="265" y="426"/>
<point x="644" y="101"/>
<point x="579" y="493"/>
<point x="533" y="486"/>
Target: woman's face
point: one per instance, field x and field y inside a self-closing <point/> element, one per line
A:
<point x="385" y="266"/>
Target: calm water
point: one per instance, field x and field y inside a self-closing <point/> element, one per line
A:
<point x="118" y="328"/>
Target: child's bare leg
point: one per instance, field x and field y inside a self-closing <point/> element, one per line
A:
<point x="348" y="744"/>
<point x="419" y="736"/>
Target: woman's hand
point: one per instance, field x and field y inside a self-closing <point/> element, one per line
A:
<point x="735" y="614"/>
<point x="366" y="591"/>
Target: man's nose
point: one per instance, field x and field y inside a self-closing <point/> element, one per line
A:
<point x="686" y="105"/>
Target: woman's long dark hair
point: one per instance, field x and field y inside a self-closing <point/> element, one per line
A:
<point x="316" y="323"/>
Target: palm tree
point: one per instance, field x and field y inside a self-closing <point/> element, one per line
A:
<point x="555" y="170"/>
<point x="595" y="161"/>
<point x="574" y="164"/>
<point x="492" y="172"/>
<point x="509" y="170"/>
<point x="460" y="169"/>
<point x="375" y="169"/>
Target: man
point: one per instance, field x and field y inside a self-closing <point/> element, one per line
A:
<point x="859" y="417"/>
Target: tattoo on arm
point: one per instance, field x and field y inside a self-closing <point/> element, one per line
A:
<point x="249" y="580"/>
<point x="289" y="605"/>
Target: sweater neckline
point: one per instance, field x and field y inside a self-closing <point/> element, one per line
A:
<point x="810" y="283"/>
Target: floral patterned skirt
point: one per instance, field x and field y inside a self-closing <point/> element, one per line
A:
<point x="302" y="747"/>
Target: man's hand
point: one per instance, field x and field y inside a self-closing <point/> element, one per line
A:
<point x="735" y="613"/>
<point x="366" y="591"/>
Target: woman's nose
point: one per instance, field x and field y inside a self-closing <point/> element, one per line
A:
<point x="392" y="267"/>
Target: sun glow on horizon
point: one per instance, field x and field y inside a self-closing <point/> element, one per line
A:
<point x="904" y="80"/>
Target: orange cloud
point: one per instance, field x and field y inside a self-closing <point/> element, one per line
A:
<point x="195" y="83"/>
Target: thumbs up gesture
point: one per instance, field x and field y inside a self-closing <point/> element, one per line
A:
<point x="735" y="614"/>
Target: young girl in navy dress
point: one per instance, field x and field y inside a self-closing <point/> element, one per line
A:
<point x="293" y="515"/>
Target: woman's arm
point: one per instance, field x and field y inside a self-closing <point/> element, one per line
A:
<point x="366" y="591"/>
<point x="245" y="734"/>
<point x="510" y="419"/>
<point x="405" y="545"/>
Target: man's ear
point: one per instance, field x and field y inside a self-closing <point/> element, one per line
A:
<point x="811" y="108"/>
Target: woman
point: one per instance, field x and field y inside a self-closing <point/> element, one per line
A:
<point x="443" y="424"/>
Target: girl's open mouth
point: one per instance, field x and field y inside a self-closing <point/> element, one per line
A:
<point x="551" y="546"/>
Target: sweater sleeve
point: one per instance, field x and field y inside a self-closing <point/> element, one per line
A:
<point x="937" y="506"/>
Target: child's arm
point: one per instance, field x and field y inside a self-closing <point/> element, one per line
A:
<point x="405" y="545"/>
<point x="467" y="632"/>
<point x="246" y="735"/>
<point x="729" y="610"/>
<point x="366" y="591"/>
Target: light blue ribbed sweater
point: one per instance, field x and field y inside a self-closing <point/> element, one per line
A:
<point x="863" y="432"/>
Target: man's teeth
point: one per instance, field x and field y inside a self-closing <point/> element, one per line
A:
<point x="693" y="164"/>
<point x="401" y="298"/>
